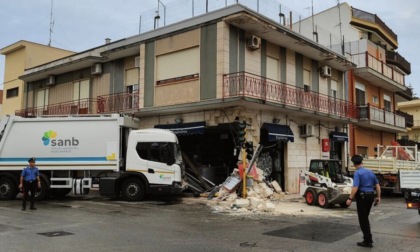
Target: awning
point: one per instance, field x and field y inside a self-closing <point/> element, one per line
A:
<point x="339" y="136"/>
<point x="277" y="132"/>
<point x="182" y="129"/>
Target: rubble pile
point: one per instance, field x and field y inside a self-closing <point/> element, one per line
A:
<point x="262" y="196"/>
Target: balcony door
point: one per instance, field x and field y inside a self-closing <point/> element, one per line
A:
<point x="81" y="92"/>
<point x="360" y="94"/>
<point x="42" y="101"/>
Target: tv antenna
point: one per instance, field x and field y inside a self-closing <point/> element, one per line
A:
<point x="51" y="22"/>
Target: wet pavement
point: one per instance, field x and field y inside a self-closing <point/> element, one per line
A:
<point x="91" y="223"/>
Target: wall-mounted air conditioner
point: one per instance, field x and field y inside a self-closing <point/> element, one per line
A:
<point x="307" y="130"/>
<point x="51" y="80"/>
<point x="326" y="71"/>
<point x="96" y="69"/>
<point x="254" y="42"/>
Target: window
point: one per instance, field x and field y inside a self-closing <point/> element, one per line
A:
<point x="362" y="151"/>
<point x="333" y="92"/>
<point x="306" y="80"/>
<point x="273" y="68"/>
<point x="13" y="92"/>
<point x="178" y="66"/>
<point x="131" y="76"/>
<point x="375" y="99"/>
<point x="81" y="90"/>
<point x="42" y="98"/>
<point x="360" y="94"/>
<point x="159" y="152"/>
<point x="387" y="102"/>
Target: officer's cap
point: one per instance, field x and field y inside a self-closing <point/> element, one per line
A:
<point x="31" y="160"/>
<point x="356" y="159"/>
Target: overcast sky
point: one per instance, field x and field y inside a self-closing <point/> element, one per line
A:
<point x="83" y="24"/>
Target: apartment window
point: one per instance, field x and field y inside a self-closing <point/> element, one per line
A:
<point x="360" y="94"/>
<point x="13" y="92"/>
<point x="42" y="98"/>
<point x="131" y="76"/>
<point x="387" y="103"/>
<point x="334" y="87"/>
<point x="362" y="151"/>
<point x="306" y="80"/>
<point x="273" y="68"/>
<point x="81" y="90"/>
<point x="375" y="99"/>
<point x="178" y="66"/>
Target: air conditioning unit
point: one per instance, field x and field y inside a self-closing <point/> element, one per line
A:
<point x="326" y="71"/>
<point x="51" y="80"/>
<point x="307" y="130"/>
<point x="254" y="42"/>
<point x="137" y="61"/>
<point x="96" y="69"/>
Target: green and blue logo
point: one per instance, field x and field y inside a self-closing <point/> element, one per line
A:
<point x="48" y="136"/>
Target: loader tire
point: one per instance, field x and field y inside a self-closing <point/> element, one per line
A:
<point x="323" y="200"/>
<point x="133" y="190"/>
<point x="8" y="189"/>
<point x="310" y="197"/>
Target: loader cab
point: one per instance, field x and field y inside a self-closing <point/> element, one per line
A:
<point x="330" y="168"/>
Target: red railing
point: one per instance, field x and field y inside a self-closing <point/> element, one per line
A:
<point x="118" y="102"/>
<point x="254" y="86"/>
<point x="76" y="107"/>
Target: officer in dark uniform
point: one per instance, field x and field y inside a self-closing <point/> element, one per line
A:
<point x="29" y="182"/>
<point x="363" y="191"/>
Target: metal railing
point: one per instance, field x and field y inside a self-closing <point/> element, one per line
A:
<point x="396" y="59"/>
<point x="372" y="113"/>
<point x="249" y="85"/>
<point x="75" y="107"/>
<point x="367" y="60"/>
<point x="119" y="102"/>
<point x="409" y="119"/>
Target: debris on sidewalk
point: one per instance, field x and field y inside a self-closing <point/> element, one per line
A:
<point x="262" y="196"/>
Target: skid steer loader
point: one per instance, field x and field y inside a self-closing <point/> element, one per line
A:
<point x="324" y="184"/>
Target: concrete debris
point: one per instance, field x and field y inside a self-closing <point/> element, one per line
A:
<point x="262" y="196"/>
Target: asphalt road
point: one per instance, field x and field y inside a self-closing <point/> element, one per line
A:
<point x="187" y="224"/>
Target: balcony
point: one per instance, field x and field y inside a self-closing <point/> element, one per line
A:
<point x="76" y="107"/>
<point x="396" y="59"/>
<point x="409" y="119"/>
<point x="116" y="103"/>
<point x="252" y="86"/>
<point x="378" y="73"/>
<point x="373" y="117"/>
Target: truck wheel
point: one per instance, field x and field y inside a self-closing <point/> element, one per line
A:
<point x="310" y="197"/>
<point x="323" y="200"/>
<point x="8" y="189"/>
<point x="42" y="193"/>
<point x="133" y="190"/>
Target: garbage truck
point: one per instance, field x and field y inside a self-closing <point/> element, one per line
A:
<point x="75" y="153"/>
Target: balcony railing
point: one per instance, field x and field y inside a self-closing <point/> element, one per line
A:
<point x="367" y="60"/>
<point x="373" y="19"/>
<point x="76" y="107"/>
<point x="398" y="60"/>
<point x="249" y="85"/>
<point x="118" y="102"/>
<point x="409" y="119"/>
<point x="372" y="113"/>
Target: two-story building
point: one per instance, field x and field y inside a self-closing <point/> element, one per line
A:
<point x="378" y="81"/>
<point x="18" y="57"/>
<point x="201" y="76"/>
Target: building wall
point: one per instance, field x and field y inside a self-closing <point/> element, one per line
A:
<point x="412" y="108"/>
<point x="369" y="138"/>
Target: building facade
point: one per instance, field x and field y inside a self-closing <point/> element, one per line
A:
<point x="412" y="108"/>
<point x="203" y="76"/>
<point x="377" y="84"/>
<point x="20" y="56"/>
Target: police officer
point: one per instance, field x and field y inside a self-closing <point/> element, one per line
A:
<point x="363" y="192"/>
<point x="29" y="181"/>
